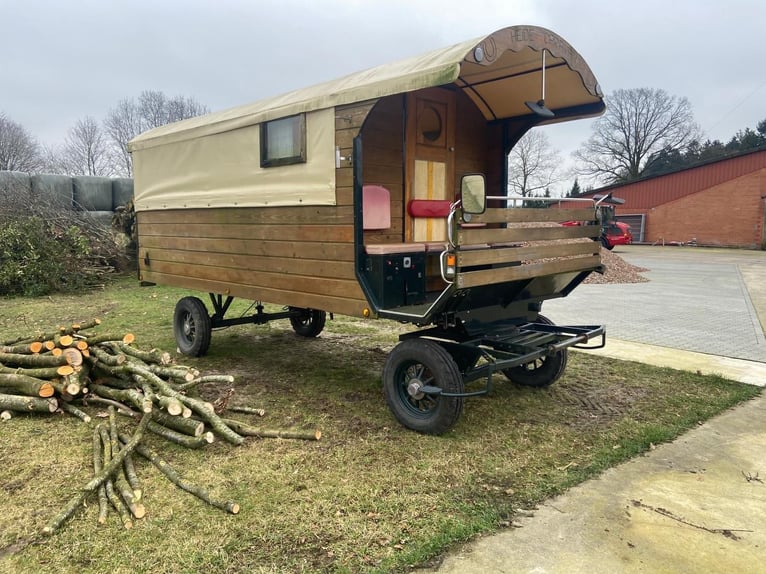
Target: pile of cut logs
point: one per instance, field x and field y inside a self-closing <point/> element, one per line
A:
<point x="73" y="368"/>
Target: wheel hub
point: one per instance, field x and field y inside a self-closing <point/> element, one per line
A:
<point x="413" y="389"/>
<point x="188" y="326"/>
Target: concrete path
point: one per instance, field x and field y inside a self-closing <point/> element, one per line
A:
<point x="696" y="505"/>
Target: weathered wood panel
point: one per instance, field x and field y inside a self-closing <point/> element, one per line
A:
<point x="516" y="254"/>
<point x="352" y="116"/>
<point x="507" y="274"/>
<point x="511" y="234"/>
<point x="267" y="280"/>
<point x="332" y="233"/>
<point x="231" y="264"/>
<point x="276" y="249"/>
<point x="471" y="140"/>
<point x="344" y="177"/>
<point x="352" y="306"/>
<point x="313" y="215"/>
<point x="274" y="254"/>
<point x="383" y="161"/>
<point x="526" y="215"/>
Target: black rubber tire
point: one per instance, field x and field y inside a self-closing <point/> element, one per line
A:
<point x="606" y="244"/>
<point x="542" y="372"/>
<point x="192" y="327"/>
<point x="421" y="361"/>
<point x="310" y="322"/>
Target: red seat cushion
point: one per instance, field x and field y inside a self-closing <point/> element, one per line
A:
<point x="428" y="207"/>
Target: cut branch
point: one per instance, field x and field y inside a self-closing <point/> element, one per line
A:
<point x="181" y="439"/>
<point x="246" y="430"/>
<point x="120" y="482"/>
<point x="114" y="499"/>
<point x="19" y="360"/>
<point x="41" y="373"/>
<point x="77" y="500"/>
<point x="103" y="501"/>
<point x="203" y="409"/>
<point x="175" y="478"/>
<point x="73" y="410"/>
<point x="25" y="385"/>
<point x="28" y="404"/>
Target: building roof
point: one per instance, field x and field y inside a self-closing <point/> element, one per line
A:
<point x="656" y="190"/>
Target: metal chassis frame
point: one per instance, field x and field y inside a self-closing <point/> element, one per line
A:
<point x="221" y="305"/>
<point x="509" y="347"/>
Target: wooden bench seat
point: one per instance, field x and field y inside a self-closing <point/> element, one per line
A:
<point x="394" y="248"/>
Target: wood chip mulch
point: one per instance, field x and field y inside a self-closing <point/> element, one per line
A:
<point x="617" y="270"/>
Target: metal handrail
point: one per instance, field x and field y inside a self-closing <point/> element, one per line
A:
<point x="523" y="198"/>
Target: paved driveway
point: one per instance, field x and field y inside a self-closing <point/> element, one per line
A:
<point x="697" y="299"/>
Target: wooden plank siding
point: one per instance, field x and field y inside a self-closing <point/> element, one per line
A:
<point x="477" y="236"/>
<point x="299" y="256"/>
<point x="520" y="272"/>
<point x="486" y="254"/>
<point x="478" y="146"/>
<point x="527" y="215"/>
<point x="383" y="163"/>
<point x="526" y="253"/>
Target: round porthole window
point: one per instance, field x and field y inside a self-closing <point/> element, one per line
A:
<point x="430" y="124"/>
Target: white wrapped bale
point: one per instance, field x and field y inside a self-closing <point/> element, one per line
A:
<point x="51" y="190"/>
<point x="15" y="190"/>
<point x="92" y="193"/>
<point x="122" y="191"/>
<point x="14" y="180"/>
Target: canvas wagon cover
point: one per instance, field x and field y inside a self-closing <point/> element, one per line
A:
<point x="214" y="160"/>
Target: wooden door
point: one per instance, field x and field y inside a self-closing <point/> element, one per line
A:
<point x="430" y="159"/>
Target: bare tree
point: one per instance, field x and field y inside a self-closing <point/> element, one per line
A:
<point x="85" y="150"/>
<point x="156" y="109"/>
<point x="18" y="149"/>
<point x="637" y="124"/>
<point x="121" y="125"/>
<point x="131" y="117"/>
<point x="181" y="108"/>
<point x="532" y="165"/>
<point x="152" y="106"/>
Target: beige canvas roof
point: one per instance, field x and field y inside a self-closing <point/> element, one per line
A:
<point x="489" y="69"/>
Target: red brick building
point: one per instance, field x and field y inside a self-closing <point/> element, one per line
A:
<point x="717" y="203"/>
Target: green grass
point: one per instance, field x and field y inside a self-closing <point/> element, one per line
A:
<point x="371" y="496"/>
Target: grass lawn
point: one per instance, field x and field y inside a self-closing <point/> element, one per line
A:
<point x="370" y="496"/>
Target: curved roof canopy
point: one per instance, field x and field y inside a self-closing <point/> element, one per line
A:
<point x="499" y="72"/>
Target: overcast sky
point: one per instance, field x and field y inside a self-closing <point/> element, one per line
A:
<point x="61" y="60"/>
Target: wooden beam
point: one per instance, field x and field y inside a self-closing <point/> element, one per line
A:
<point x="508" y="274"/>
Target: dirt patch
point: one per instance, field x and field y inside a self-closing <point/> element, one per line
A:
<point x="596" y="404"/>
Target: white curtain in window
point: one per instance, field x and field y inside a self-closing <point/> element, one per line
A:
<point x="283" y="138"/>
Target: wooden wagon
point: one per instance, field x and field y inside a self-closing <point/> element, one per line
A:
<point x="383" y="194"/>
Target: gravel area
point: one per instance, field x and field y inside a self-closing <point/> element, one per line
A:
<point x="617" y="270"/>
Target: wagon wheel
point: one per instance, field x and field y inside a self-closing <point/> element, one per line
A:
<point x="606" y="244"/>
<point x="192" y="327"/>
<point x="541" y="372"/>
<point x="309" y="323"/>
<point x="412" y="365"/>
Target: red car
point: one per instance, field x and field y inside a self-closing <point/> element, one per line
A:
<point x="616" y="233"/>
<point x="613" y="233"/>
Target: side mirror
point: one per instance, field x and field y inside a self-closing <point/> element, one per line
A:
<point x="473" y="193"/>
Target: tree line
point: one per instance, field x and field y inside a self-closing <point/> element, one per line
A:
<point x="93" y="147"/>
<point x="644" y="132"/>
